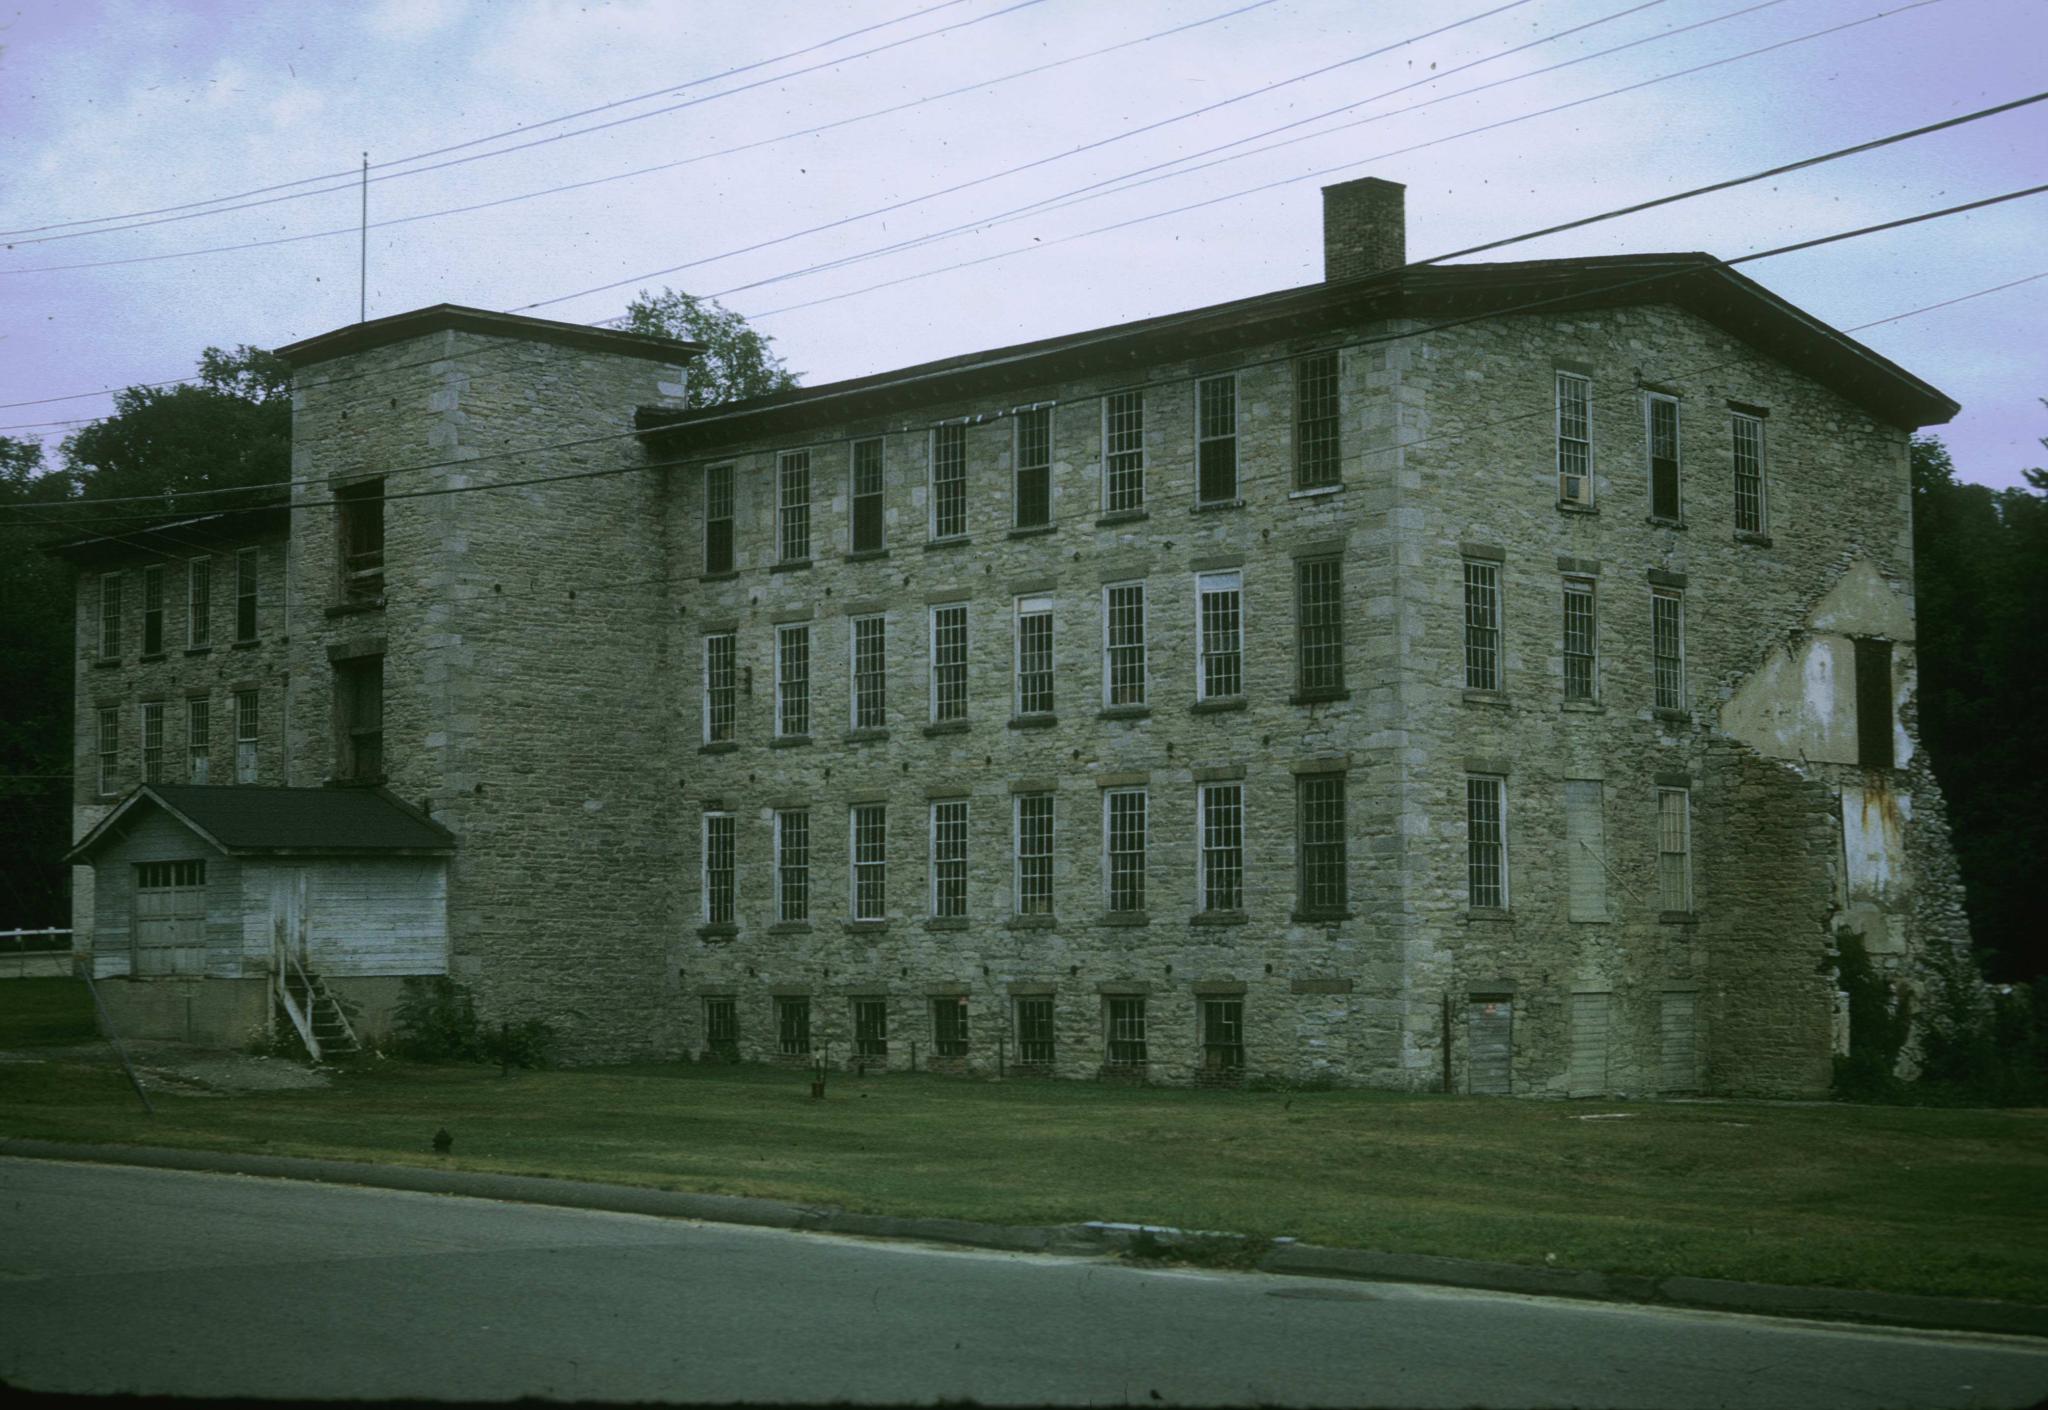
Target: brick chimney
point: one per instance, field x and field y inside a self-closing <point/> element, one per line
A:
<point x="1365" y="228"/>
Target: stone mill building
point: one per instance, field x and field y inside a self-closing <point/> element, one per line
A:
<point x="1496" y="675"/>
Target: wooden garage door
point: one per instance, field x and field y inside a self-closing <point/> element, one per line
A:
<point x="1678" y="1052"/>
<point x="1590" y="1026"/>
<point x="1490" y="1043"/>
<point x="170" y="918"/>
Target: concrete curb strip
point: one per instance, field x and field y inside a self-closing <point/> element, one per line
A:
<point x="1765" y="1299"/>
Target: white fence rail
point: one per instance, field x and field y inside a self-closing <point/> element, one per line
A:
<point x="35" y="954"/>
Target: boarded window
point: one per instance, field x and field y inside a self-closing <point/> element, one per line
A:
<point x="867" y="496"/>
<point x="1574" y="439"/>
<point x="1874" y="703"/>
<point x="1490" y="1044"/>
<point x="1316" y="444"/>
<point x="949" y="481"/>
<point x="1587" y="1076"/>
<point x="361" y="510"/>
<point x="1585" y="840"/>
<point x="793" y="506"/>
<point x="1663" y="457"/>
<point x="1216" y="440"/>
<point x="1678" y="1044"/>
<point x="871" y="1029"/>
<point x="1123" y="455"/>
<point x="170" y="918"/>
<point x="1034" y="467"/>
<point x="718" y="538"/>
<point x="1035" y="1031"/>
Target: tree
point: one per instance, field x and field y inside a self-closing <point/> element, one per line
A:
<point x="737" y="362"/>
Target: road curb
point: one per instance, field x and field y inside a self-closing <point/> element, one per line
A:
<point x="1314" y="1260"/>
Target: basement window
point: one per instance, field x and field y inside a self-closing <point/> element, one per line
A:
<point x="722" y="1027"/>
<point x="1126" y="1020"/>
<point x="1223" y="1035"/>
<point x="793" y="1026"/>
<point x="360" y="510"/>
<point x="1035" y="1031"/>
<point x="949" y="1026"/>
<point x="871" y="1029"/>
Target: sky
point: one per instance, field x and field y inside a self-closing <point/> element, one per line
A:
<point x="132" y="133"/>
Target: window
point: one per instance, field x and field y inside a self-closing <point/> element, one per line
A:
<point x="152" y="610"/>
<point x="869" y="836"/>
<point x="1674" y="849"/>
<point x="1319" y="626"/>
<point x="1482" y="625"/>
<point x="949" y="663"/>
<point x="1219" y="673"/>
<point x="1034" y="467"/>
<point x="1749" y="473"/>
<point x="949" y="859"/>
<point x="1216" y="440"/>
<point x="793" y="866"/>
<point x="1581" y="633"/>
<point x="1222" y="847"/>
<point x="247" y="725"/>
<point x="1035" y="1031"/>
<point x="153" y="741"/>
<point x="198" y="738"/>
<point x="867" y="496"/>
<point x="1034" y="655"/>
<point x="721" y="691"/>
<point x="718" y="504"/>
<point x="1486" y="834"/>
<point x="722" y="1026"/>
<point x="1667" y="647"/>
<point x="359" y="719"/>
<point x="870" y="672"/>
<point x="793" y="506"/>
<point x="1315" y="421"/>
<point x="109" y="746"/>
<point x="1123" y="452"/>
<point x="110" y="616"/>
<point x="1874" y="746"/>
<point x="949" y="481"/>
<point x="1321" y="852"/>
<point x="1663" y="446"/>
<point x="245" y="594"/>
<point x="719" y="869"/>
<point x="198" y="602"/>
<point x="793" y="680"/>
<point x="1123" y="829"/>
<point x="360" y="511"/>
<point x="871" y="1029"/>
<point x="1223" y="1035"/>
<point x="949" y="1026"/>
<point x="1123" y="644"/>
<point x="793" y="1026"/>
<point x="1585" y="840"/>
<point x="1126" y="1022"/>
<point x="1574" y="439"/>
<point x="1034" y="854"/>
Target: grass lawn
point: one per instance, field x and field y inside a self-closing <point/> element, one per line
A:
<point x="1906" y="1200"/>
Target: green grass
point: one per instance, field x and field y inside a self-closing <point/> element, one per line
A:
<point x="36" y="1012"/>
<point x="1906" y="1200"/>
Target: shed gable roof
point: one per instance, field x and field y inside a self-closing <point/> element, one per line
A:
<point x="244" y="820"/>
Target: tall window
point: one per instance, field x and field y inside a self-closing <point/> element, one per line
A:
<point x="1219" y="599"/>
<point x="1585" y="840"/>
<point x="199" y="602"/>
<point x="1321" y="851"/>
<point x="867" y="495"/>
<point x="793" y="865"/>
<point x="793" y="680"/>
<point x="793" y="506"/>
<point x="718" y="507"/>
<point x="1315" y="421"/>
<point x="722" y="1026"/>
<point x="1319" y="626"/>
<point x="1674" y="849"/>
<point x="1123" y="452"/>
<point x="1667" y="646"/>
<point x="1574" y="439"/>
<point x="870" y="672"/>
<point x="1123" y="845"/>
<point x="198" y="738"/>
<point x="1035" y="1030"/>
<point x="1125" y="1018"/>
<point x="1482" y="625"/>
<point x="871" y="1029"/>
<point x="1034" y="467"/>
<point x="1034" y="655"/>
<point x="1216" y="440"/>
<point x="152" y="741"/>
<point x="248" y="725"/>
<point x="359" y="718"/>
<point x="1581" y="636"/>
<point x="1663" y="447"/>
<point x="949" y="859"/>
<point x="1034" y="854"/>
<point x="793" y="1025"/>
<point x="949" y="481"/>
<point x="721" y="691"/>
<point x="1749" y="472"/>
<point x="719" y="870"/>
<point x="1222" y="853"/>
<point x="153" y="610"/>
<point x="949" y="1026"/>
<point x="245" y="594"/>
<point x="110" y="616"/>
<point x="1874" y="720"/>
<point x="1486" y="842"/>
<point x="1123" y="644"/>
<point x="949" y="663"/>
<point x="868" y="836"/>
<point x="109" y="746"/>
<point x="360" y="511"/>
<point x="1223" y="1035"/>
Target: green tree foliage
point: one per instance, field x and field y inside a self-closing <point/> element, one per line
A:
<point x="737" y="362"/>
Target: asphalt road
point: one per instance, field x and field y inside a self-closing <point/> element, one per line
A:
<point x="172" y="1283"/>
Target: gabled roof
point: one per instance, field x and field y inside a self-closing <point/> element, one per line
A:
<point x="248" y="821"/>
<point x="358" y="337"/>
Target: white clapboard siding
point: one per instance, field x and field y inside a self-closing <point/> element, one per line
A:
<point x="210" y="941"/>
<point x="1678" y="1067"/>
<point x="382" y="916"/>
<point x="1591" y="1022"/>
<point x="1490" y="1034"/>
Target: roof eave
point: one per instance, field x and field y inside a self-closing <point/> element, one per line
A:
<point x="435" y="318"/>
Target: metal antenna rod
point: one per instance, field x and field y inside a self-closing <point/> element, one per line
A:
<point x="363" y="249"/>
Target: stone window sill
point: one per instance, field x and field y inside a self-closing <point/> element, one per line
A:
<point x="723" y="746"/>
<point x="867" y="555"/>
<point x="866" y="927"/>
<point x="199" y="651"/>
<point x="1030" y="922"/>
<point x="1656" y="522"/>
<point x="107" y="663"/>
<point x="148" y="656"/>
<point x="791" y="565"/>
<point x="717" y="932"/>
<point x="947" y="923"/>
<point x="356" y="606"/>
<point x="790" y="927"/>
<point x="248" y="644"/>
<point x="1030" y="531"/>
<point x="1582" y="707"/>
<point x="1125" y="712"/>
<point x="1490" y="913"/>
<point x="939" y="727"/>
<point x="1315" y="491"/>
<point x="872" y="735"/>
<point x="1215" y="504"/>
<point x="1219" y="918"/>
<point x="1122" y="516"/>
<point x="1218" y="707"/>
<point x="1033" y="721"/>
<point x="1318" y="697"/>
<point x="1683" y="717"/>
<point x="1760" y="540"/>
<point x="1678" y="918"/>
<point x="1319" y="917"/>
<point x="1487" y="697"/>
<point x="953" y="541"/>
<point x="789" y="741"/>
<point x="1132" y="918"/>
<point x="725" y="577"/>
<point x="1568" y="506"/>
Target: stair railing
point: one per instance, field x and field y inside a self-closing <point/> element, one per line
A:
<point x="302" y="1020"/>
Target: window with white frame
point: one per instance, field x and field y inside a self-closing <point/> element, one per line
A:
<point x="1123" y="846"/>
<point x="868" y="842"/>
<point x="949" y="481"/>
<point x="721" y="688"/>
<point x="1034" y="656"/>
<point x="793" y="680"/>
<point x="1581" y="639"/>
<point x="793" y="506"/>
<point x="1123" y="645"/>
<point x="1219" y="668"/>
<point x="1674" y="849"/>
<point x="1320" y="850"/>
<point x="1662" y="443"/>
<point x="718" y="517"/>
<point x="1223" y="1034"/>
<point x="949" y="663"/>
<point x="793" y="1025"/>
<point x="245" y="594"/>
<point x="248" y="725"/>
<point x="1124" y="1018"/>
<point x="152" y="741"/>
<point x="1222" y="847"/>
<point x="1216" y="440"/>
<point x="198" y="603"/>
<point x="1667" y="646"/>
<point x="1034" y="467"/>
<point x="867" y="496"/>
<point x="1486" y="842"/>
<point x="1316" y="461"/>
<point x="1319" y="626"/>
<point x="949" y="859"/>
<point x="1123" y="452"/>
<point x="110" y="616"/>
<point x="1574" y="438"/>
<point x="870" y="647"/>
<point x="109" y="747"/>
<point x="1482" y="624"/>
<point x="153" y="610"/>
<point x="720" y="876"/>
<point x="198" y="738"/>
<point x="1748" y="433"/>
<point x="1033" y="888"/>
<point x="792" y="865"/>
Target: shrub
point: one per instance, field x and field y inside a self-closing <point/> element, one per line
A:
<point x="1880" y="1015"/>
<point x="436" y="1022"/>
<point x="530" y="1043"/>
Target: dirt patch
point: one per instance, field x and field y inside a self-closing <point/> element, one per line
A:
<point x="178" y="1070"/>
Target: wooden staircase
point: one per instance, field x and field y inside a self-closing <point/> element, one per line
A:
<point x="316" y="1015"/>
